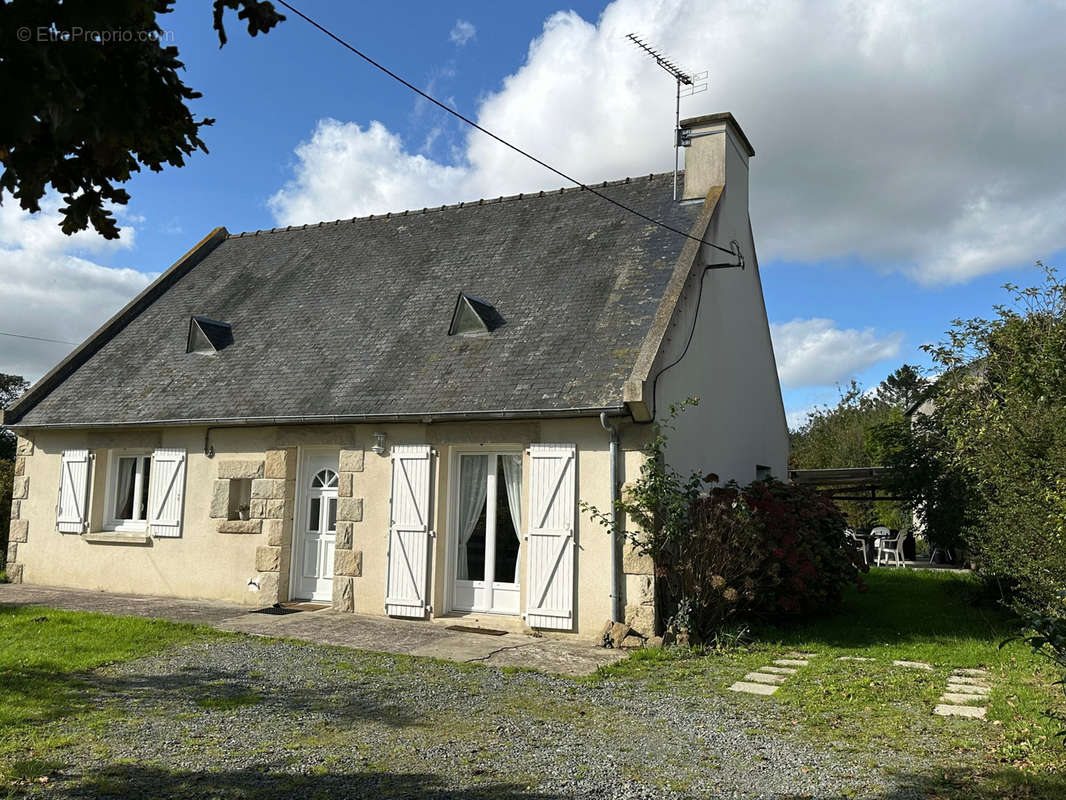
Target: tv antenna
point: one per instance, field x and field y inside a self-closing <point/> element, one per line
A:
<point x="694" y="83"/>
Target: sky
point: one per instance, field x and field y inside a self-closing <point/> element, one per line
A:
<point x="908" y="155"/>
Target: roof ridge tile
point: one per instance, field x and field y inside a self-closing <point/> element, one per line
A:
<point x="448" y="207"/>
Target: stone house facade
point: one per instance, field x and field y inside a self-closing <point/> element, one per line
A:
<point x="404" y="414"/>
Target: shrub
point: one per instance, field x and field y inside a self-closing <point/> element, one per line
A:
<point x="714" y="570"/>
<point x="1000" y="411"/>
<point x="1048" y="638"/>
<point x="804" y="543"/>
<point x="767" y="549"/>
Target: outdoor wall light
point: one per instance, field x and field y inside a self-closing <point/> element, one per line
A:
<point x="379" y="444"/>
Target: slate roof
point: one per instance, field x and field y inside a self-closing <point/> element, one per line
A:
<point x="351" y="317"/>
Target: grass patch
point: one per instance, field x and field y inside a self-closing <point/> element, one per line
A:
<point x="44" y="655"/>
<point x="229" y="703"/>
<point x="935" y="617"/>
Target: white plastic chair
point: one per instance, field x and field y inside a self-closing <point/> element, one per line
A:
<point x="890" y="546"/>
<point x="858" y="542"/>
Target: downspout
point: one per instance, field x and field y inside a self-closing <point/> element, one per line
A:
<point x="616" y="594"/>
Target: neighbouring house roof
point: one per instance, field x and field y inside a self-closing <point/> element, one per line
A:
<point x="352" y="317"/>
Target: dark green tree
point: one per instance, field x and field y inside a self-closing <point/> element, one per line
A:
<point x="843" y="436"/>
<point x="1001" y="406"/>
<point x="11" y="388"/>
<point x="933" y="487"/>
<point x="84" y="107"/>
<point x="903" y="388"/>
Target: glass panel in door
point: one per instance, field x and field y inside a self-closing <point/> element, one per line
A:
<point x="487" y="534"/>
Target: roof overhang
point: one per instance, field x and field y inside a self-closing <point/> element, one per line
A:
<point x="640" y="386"/>
<point x="423" y="417"/>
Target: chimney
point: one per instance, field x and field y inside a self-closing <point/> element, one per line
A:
<point x="715" y="148"/>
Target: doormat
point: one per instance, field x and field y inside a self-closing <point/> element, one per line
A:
<point x="289" y="608"/>
<point x="468" y="629"/>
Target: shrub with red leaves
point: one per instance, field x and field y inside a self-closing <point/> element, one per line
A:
<point x="767" y="549"/>
<point x="805" y="541"/>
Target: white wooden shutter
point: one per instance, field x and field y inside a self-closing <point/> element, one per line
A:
<point x="552" y="484"/>
<point x="166" y="492"/>
<point x="72" y="510"/>
<point x="409" y="532"/>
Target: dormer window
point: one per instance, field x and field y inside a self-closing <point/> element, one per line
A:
<point x="208" y="336"/>
<point x="473" y="316"/>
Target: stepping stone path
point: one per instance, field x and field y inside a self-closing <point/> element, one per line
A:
<point x="913" y="665"/>
<point x="966" y="689"/>
<point x="767" y="680"/>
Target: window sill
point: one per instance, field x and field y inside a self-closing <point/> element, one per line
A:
<point x="117" y="537"/>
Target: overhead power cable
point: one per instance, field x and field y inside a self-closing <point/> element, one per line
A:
<point x="489" y="133"/>
<point x="35" y="338"/>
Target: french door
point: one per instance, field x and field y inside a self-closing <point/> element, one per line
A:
<point x="486" y="532"/>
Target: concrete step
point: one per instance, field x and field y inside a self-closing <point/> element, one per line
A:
<point x="967" y="688"/>
<point x="974" y="712"/>
<point x="778" y="670"/>
<point x="753" y="688"/>
<point x="913" y="665"/>
<point x="974" y="672"/>
<point x="962" y="699"/>
<point x="763" y="677"/>
<point x="854" y="658"/>
<point x="791" y="662"/>
<point x="968" y="681"/>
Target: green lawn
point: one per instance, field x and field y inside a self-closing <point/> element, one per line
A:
<point x="45" y="655"/>
<point x="51" y="707"/>
<point x="936" y="617"/>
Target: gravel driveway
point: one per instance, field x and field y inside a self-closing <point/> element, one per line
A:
<point x="242" y="717"/>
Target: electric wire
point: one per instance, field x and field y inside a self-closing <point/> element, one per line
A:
<point x="489" y="133"/>
<point x="35" y="338"/>
<point x="691" y="332"/>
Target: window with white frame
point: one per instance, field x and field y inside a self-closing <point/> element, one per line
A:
<point x="129" y="474"/>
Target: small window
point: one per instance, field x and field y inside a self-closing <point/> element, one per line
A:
<point x="763" y="473"/>
<point x="127" y="498"/>
<point x="326" y="479"/>
<point x="473" y="316"/>
<point x="240" y="497"/>
<point x="208" y="336"/>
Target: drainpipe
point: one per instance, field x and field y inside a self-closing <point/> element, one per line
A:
<point x="616" y="594"/>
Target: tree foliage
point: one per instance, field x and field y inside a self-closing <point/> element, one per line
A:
<point x="839" y="436"/>
<point x="844" y="436"/>
<point x="934" y="489"/>
<point x="1001" y="407"/>
<point x="11" y="388"/>
<point x="90" y="93"/>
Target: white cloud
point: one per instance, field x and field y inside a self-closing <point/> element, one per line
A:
<point x="814" y="352"/>
<point x="916" y="137"/>
<point x="51" y="290"/>
<point x="463" y="32"/>
<point x="354" y="171"/>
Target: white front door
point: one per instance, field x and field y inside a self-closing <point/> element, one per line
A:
<point x="316" y="529"/>
<point x="486" y="532"/>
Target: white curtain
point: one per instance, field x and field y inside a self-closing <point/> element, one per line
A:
<point x="127" y="468"/>
<point x="473" y="488"/>
<point x="512" y="475"/>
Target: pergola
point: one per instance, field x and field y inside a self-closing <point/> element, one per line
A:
<point x="847" y="483"/>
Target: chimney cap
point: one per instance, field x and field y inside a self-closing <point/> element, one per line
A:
<point x="722" y="116"/>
